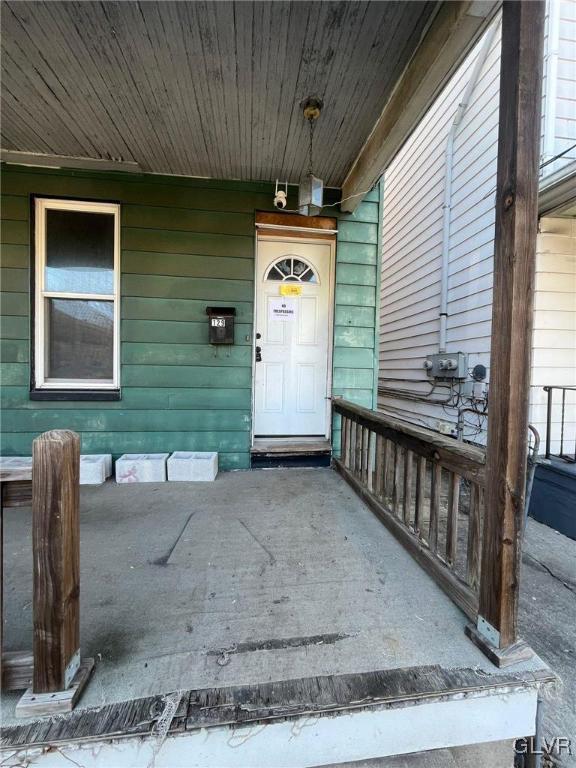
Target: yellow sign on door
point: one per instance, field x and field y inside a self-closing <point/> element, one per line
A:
<point x="290" y="290"/>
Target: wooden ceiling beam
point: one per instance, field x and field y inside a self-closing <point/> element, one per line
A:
<point x="451" y="34"/>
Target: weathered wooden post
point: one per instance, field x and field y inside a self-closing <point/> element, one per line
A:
<point x="512" y="309"/>
<point x="58" y="674"/>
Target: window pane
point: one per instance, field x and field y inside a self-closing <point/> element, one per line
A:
<point x="284" y="266"/>
<point x="292" y="270"/>
<point x="80" y="339"/>
<point x="79" y="252"/>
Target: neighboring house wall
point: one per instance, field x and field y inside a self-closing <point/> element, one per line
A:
<point x="554" y="340"/>
<point x="559" y="86"/>
<point x="412" y="237"/>
<point x="185" y="244"/>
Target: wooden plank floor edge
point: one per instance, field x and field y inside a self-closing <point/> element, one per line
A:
<point x="242" y="704"/>
<point x="17" y="670"/>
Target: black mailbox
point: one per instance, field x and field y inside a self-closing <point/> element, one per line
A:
<point x="221" y="325"/>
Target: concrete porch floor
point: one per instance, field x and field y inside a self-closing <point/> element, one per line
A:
<point x="259" y="576"/>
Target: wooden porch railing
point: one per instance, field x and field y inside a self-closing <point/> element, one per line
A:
<point x="426" y="488"/>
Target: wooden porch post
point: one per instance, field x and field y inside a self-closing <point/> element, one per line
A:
<point x="58" y="676"/>
<point x="514" y="268"/>
<point x="56" y="548"/>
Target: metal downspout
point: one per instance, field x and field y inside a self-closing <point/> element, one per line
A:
<point x="448" y="170"/>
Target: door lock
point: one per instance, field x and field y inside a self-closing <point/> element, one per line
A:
<point x="258" y="354"/>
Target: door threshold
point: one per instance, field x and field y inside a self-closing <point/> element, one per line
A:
<point x="290" y="446"/>
<point x="268" y="453"/>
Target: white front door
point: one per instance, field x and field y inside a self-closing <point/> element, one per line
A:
<point x="292" y="337"/>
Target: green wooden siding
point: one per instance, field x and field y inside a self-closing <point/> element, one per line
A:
<point x="186" y="243"/>
<point x="356" y="312"/>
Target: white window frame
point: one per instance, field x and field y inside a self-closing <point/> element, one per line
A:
<point x="42" y="205"/>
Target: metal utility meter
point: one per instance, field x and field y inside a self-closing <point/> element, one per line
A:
<point x="221" y="324"/>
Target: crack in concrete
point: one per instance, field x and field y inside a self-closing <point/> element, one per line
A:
<point x="548" y="570"/>
<point x="163" y="561"/>
<point x="257" y="540"/>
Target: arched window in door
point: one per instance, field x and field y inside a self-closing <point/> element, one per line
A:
<point x="291" y="269"/>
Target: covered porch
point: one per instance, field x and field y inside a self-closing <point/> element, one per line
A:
<point x="274" y="603"/>
<point x="264" y="596"/>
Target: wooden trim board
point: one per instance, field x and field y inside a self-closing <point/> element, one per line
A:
<point x="276" y="218"/>
<point x="59" y="702"/>
<point x="290" y="447"/>
<point x="265" y="702"/>
<point x="451" y="34"/>
<point x="17" y="670"/>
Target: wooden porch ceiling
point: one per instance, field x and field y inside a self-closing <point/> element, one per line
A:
<point x="205" y="88"/>
<point x="202" y="89"/>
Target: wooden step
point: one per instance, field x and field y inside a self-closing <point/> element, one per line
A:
<point x="288" y="447"/>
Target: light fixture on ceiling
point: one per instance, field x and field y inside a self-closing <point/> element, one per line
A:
<point x="281" y="195"/>
<point x="311" y="191"/>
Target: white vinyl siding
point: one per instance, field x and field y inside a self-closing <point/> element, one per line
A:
<point x="412" y="232"/>
<point x="554" y="340"/>
<point x="559" y="114"/>
<point x="412" y="241"/>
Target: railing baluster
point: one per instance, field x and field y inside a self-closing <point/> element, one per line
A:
<point x="548" y="391"/>
<point x="351" y="446"/>
<point x="398" y="455"/>
<point x="452" y="521"/>
<point x="420" y="493"/>
<point x="473" y="550"/>
<point x="435" y="506"/>
<point x="390" y="460"/>
<point x="358" y="450"/>
<point x="560" y="424"/>
<point x="370" y="480"/>
<point x="365" y="454"/>
<point x="379" y="467"/>
<point x="349" y="441"/>
<point x="408" y="465"/>
<point x="561" y="452"/>
<point x="343" y="440"/>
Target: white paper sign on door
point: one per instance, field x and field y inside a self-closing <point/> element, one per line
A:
<point x="282" y="308"/>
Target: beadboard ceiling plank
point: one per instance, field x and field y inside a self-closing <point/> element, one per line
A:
<point x="203" y="88"/>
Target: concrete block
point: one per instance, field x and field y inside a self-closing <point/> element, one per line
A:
<point x="193" y="466"/>
<point x="141" y="468"/>
<point x="107" y="457"/>
<point x="92" y="470"/>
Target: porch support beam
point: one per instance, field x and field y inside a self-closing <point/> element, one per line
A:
<point x="512" y="308"/>
<point x="455" y="28"/>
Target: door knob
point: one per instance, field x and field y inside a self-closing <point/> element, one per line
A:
<point x="258" y="354"/>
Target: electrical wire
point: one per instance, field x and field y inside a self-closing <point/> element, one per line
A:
<point x="542" y="165"/>
<point x="556" y="157"/>
<point x="356" y="194"/>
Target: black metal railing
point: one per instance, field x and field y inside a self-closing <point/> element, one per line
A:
<point x="561" y="430"/>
